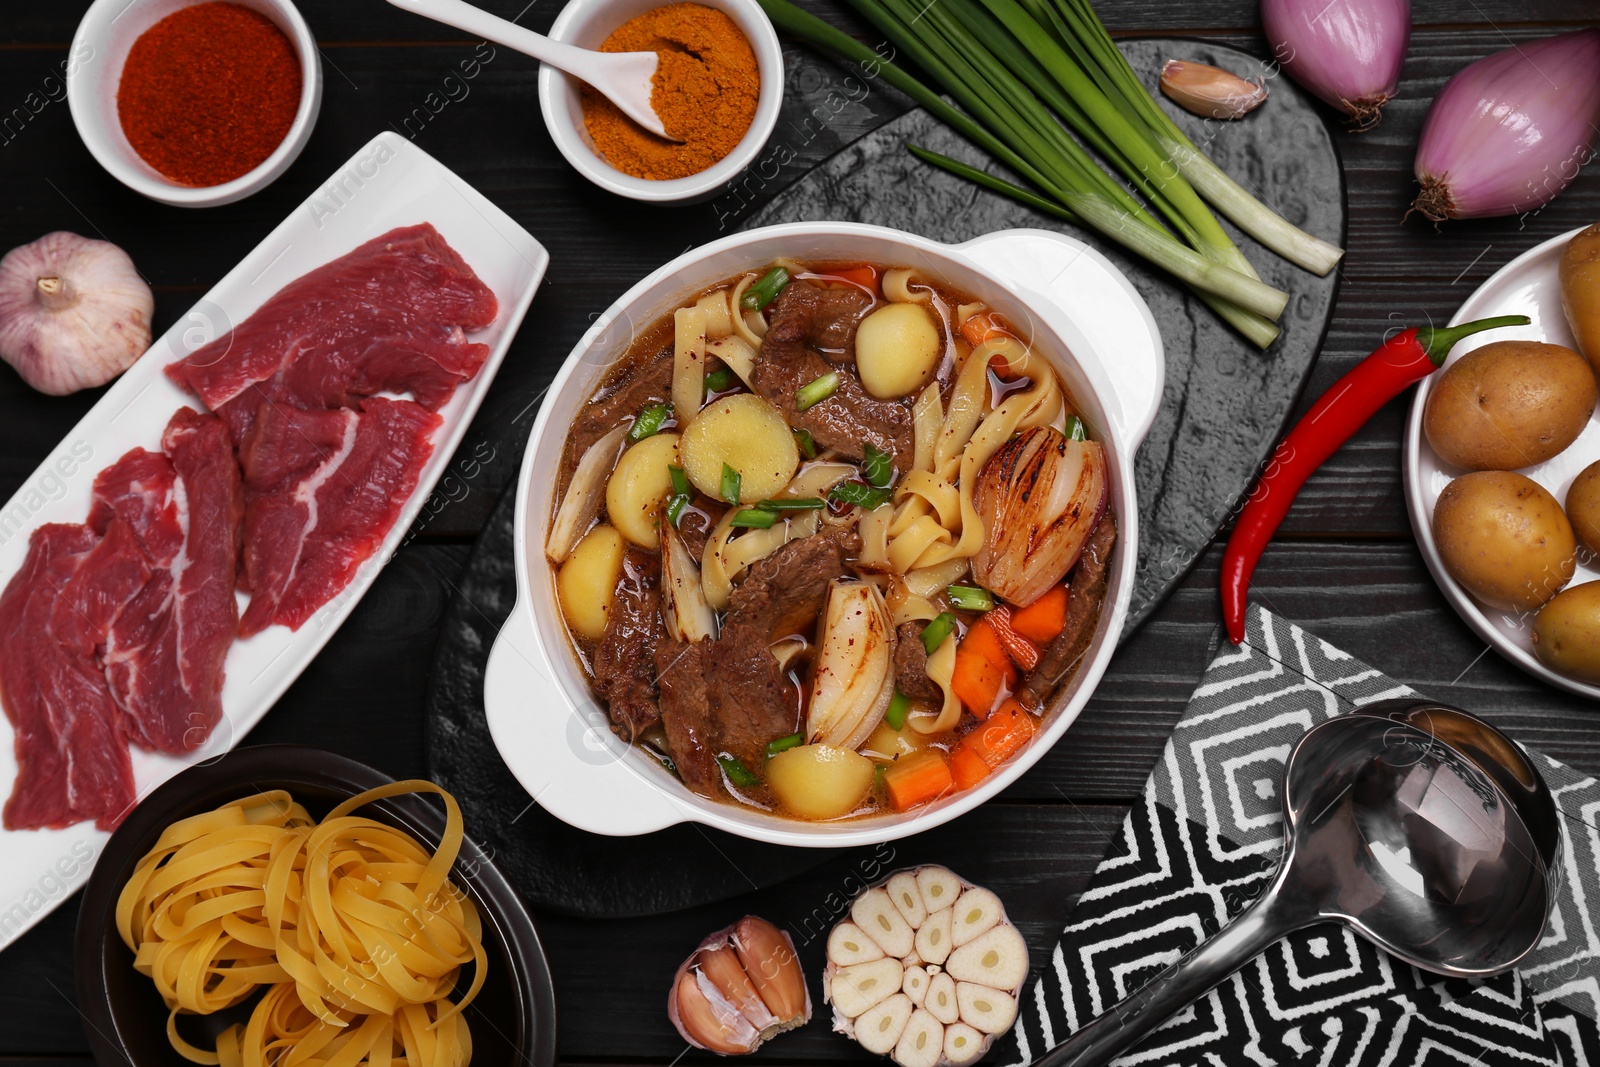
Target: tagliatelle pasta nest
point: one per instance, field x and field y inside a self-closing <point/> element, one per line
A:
<point x="352" y="924"/>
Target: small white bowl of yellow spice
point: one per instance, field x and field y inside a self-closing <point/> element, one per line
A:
<point x="717" y="89"/>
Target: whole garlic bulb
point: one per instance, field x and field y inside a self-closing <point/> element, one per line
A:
<point x="74" y="312"/>
<point x="926" y="969"/>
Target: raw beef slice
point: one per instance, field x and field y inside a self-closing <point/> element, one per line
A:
<point x="323" y="489"/>
<point x="72" y="759"/>
<point x="390" y="316"/>
<point x="164" y="653"/>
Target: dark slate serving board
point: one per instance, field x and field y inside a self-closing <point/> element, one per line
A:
<point x="1224" y="406"/>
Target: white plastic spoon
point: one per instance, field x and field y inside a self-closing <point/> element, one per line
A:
<point x="624" y="78"/>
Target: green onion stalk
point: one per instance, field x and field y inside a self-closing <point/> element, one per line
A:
<point x="1005" y="117"/>
<point x="1076" y="23"/>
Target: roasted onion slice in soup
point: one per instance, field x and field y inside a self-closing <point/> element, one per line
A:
<point x="854" y="677"/>
<point x="1040" y="497"/>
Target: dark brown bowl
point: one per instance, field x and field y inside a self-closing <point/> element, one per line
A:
<point x="513" y="1019"/>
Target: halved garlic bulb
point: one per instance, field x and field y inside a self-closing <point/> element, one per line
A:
<point x="926" y="969"/>
<point x="742" y="986"/>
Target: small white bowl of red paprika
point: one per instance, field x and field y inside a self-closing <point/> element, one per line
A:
<point x="194" y="103"/>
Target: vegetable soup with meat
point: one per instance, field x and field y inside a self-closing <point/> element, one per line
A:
<point x="829" y="538"/>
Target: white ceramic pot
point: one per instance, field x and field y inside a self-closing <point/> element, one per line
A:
<point x="1078" y="310"/>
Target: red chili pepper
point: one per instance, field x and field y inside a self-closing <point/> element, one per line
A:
<point x="1407" y="357"/>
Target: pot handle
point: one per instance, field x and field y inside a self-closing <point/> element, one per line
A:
<point x="566" y="757"/>
<point x="1082" y="295"/>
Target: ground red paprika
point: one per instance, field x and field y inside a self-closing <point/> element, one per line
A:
<point x="209" y="92"/>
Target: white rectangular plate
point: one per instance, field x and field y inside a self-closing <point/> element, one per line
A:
<point x="389" y="183"/>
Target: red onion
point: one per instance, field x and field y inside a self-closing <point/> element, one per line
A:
<point x="1512" y="130"/>
<point x="1345" y="52"/>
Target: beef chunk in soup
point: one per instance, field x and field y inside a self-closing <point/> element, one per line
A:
<point x="731" y="695"/>
<point x="1087" y="592"/>
<point x="790" y="359"/>
<point x="623" y="664"/>
<point x="827" y="318"/>
<point x="645" y="381"/>
<point x="911" y="665"/>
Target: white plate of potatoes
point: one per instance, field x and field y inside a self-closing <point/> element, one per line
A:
<point x="1511" y="556"/>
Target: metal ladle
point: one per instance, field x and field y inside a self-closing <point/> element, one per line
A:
<point x="624" y="78"/>
<point x="1422" y="828"/>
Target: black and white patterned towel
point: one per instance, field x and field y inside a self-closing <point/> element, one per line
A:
<point x="1202" y="843"/>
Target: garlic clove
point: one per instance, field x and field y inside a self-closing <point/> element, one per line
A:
<point x="74" y="313"/>
<point x="847" y="945"/>
<point x="853" y="990"/>
<point x="940" y="887"/>
<point x="903" y="891"/>
<point x="915" y="984"/>
<point x="941" y="999"/>
<point x="879" y="1027"/>
<point x="933" y="937"/>
<point x="963" y="1044"/>
<point x="768" y="958"/>
<point x="876" y="914"/>
<point x="1210" y="92"/>
<point x="740" y="986"/>
<point x="997" y="959"/>
<point x="922" y="1042"/>
<point x="975" y="913"/>
<point x="721" y="967"/>
<point x="707" y="1021"/>
<point x="985" y="1008"/>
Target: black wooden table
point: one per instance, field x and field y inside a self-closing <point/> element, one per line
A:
<point x="1345" y="565"/>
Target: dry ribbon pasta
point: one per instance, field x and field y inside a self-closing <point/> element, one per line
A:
<point x="352" y="925"/>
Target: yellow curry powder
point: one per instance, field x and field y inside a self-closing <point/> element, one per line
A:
<point x="705" y="91"/>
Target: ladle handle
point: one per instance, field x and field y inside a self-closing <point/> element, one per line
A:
<point x="1132" y="1019"/>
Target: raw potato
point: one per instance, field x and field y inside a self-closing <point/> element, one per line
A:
<point x="1583" y="506"/>
<point x="1504" y="537"/>
<point x="639" y="486"/>
<point x="948" y="1006"/>
<point x="749" y="435"/>
<point x="587" y="581"/>
<point x="1508" y="405"/>
<point x="1580" y="290"/>
<point x="897" y="350"/>
<point x="1566" y="635"/>
<point x="818" y="782"/>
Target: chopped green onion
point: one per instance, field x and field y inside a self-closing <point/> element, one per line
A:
<point x="806" y="443"/>
<point x="784" y="744"/>
<point x="759" y="518"/>
<point x="970" y="597"/>
<point x="730" y="484"/>
<point x="933" y="634"/>
<point x="899" y="706"/>
<point x="719" y="380"/>
<point x="1075" y="430"/>
<point x="680" y="496"/>
<point x="765" y="291"/>
<point x="878" y="466"/>
<point x="649" y="422"/>
<point x="815" y="392"/>
<point x="737" y="772"/>
<point x="863" y="496"/>
<point x="801" y="503"/>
